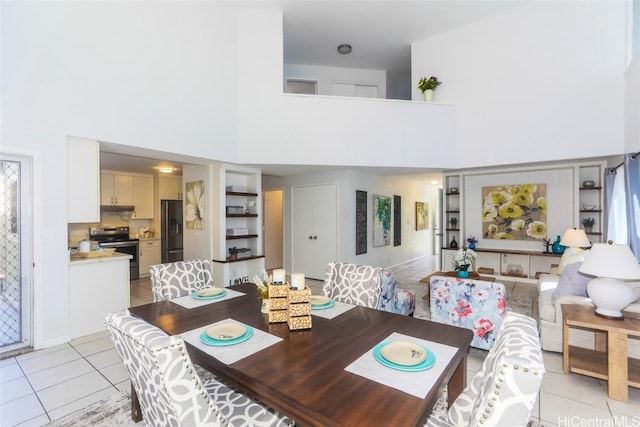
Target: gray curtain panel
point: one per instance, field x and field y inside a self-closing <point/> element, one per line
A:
<point x="632" y="190"/>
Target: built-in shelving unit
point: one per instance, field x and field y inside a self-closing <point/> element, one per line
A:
<point x="452" y="210"/>
<point x="241" y="226"/>
<point x="591" y="199"/>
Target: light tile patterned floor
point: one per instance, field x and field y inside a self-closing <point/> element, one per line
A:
<point x="47" y="384"/>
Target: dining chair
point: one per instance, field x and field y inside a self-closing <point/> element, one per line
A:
<point x="177" y="279"/>
<point x="171" y="391"/>
<point x="367" y="286"/>
<point x="505" y="389"/>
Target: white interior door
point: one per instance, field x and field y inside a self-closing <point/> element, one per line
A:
<point x="273" y="230"/>
<point x="314" y="220"/>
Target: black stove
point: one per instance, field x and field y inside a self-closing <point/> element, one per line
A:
<point x="118" y="238"/>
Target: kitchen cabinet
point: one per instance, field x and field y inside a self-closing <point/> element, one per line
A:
<point x="143" y="197"/>
<point x="150" y="254"/>
<point x="83" y="180"/>
<point x="170" y="187"/>
<point x="116" y="189"/>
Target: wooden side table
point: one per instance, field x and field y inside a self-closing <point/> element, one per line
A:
<point x="609" y="359"/>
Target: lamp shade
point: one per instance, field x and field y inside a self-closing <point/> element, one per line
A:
<point x="575" y="238"/>
<point x="612" y="261"/>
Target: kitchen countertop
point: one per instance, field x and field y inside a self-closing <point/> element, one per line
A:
<point x="116" y="256"/>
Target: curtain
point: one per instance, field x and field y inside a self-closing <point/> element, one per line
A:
<point x="632" y="197"/>
<point x="616" y="205"/>
<point x="609" y="180"/>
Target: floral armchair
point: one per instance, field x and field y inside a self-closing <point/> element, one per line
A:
<point x="472" y="304"/>
<point x="367" y="286"/>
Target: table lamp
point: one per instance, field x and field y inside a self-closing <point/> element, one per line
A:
<point x="610" y="264"/>
<point x="575" y="239"/>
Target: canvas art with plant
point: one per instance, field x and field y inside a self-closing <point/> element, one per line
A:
<point x="514" y="212"/>
<point x="428" y="83"/>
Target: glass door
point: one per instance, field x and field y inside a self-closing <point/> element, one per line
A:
<point x="15" y="250"/>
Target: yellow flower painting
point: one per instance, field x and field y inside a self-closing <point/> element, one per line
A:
<point x="514" y="212"/>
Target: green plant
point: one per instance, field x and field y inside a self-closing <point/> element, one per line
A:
<point x="234" y="250"/>
<point x="428" y="83"/>
<point x="588" y="222"/>
<point x="454" y="222"/>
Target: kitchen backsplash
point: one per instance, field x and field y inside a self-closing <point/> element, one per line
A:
<point x="80" y="231"/>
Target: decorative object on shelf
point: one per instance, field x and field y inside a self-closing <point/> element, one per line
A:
<point x="427" y="86"/>
<point x="462" y="260"/>
<point x="588" y="207"/>
<point x="588" y="223"/>
<point x="233" y="253"/>
<point x="251" y="207"/>
<point x="381" y="226"/>
<point x="547" y="245"/>
<point x="453" y="244"/>
<point x="453" y="221"/>
<point x="194" y="206"/>
<point x="610" y="264"/>
<point x="514" y="269"/>
<point x="422" y="216"/>
<point x="453" y="190"/>
<point x="262" y="286"/>
<point x="588" y="184"/>
<point x="556" y="247"/>
<point x="472" y="242"/>
<point x="235" y="210"/>
<point x="514" y="212"/>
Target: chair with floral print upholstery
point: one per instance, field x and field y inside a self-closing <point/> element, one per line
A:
<point x="367" y="286"/>
<point x="171" y="390"/>
<point x="505" y="389"/>
<point x="477" y="305"/>
<point x="177" y="279"/>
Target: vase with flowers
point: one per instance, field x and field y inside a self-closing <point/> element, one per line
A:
<point x="262" y="286"/>
<point x="472" y="242"/>
<point x="427" y="86"/>
<point x="462" y="260"/>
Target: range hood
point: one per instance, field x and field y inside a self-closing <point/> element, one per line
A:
<point x="117" y="208"/>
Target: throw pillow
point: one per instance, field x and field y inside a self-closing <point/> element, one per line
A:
<point x="571" y="282"/>
<point x="570" y="256"/>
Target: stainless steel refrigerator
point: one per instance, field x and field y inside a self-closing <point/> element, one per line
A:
<point x="171" y="225"/>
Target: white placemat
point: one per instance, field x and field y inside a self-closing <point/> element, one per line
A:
<point x="232" y="353"/>
<point x="415" y="383"/>
<point x="336" y="310"/>
<point x="188" y="301"/>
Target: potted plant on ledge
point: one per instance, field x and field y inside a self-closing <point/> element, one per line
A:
<point x="233" y="253"/>
<point x="588" y="224"/>
<point x="427" y="86"/>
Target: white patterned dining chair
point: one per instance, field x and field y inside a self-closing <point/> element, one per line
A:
<point x="170" y="390"/>
<point x="505" y="389"/>
<point x="177" y="279"/>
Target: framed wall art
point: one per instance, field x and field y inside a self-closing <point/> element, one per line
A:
<point x="381" y="224"/>
<point x="514" y="212"/>
<point x="194" y="205"/>
<point x="361" y="222"/>
<point x="422" y="216"/>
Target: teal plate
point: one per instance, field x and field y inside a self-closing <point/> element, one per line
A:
<point x="206" y="339"/>
<point x="220" y="295"/>
<point x="323" y="306"/>
<point x="422" y="366"/>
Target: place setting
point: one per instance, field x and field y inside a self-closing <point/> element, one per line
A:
<point x="405" y="363"/>
<point x="206" y="296"/>
<point x="327" y="308"/>
<point x="229" y="340"/>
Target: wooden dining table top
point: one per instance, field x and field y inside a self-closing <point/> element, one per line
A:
<point x="303" y="376"/>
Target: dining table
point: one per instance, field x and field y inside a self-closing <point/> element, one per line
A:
<point x="311" y="375"/>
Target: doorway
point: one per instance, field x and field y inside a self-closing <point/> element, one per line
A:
<point x="15" y="254"/>
<point x="273" y="229"/>
<point x="314" y="227"/>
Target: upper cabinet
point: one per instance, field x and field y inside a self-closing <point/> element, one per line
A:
<point x="116" y="189"/>
<point x="143" y="197"/>
<point x="83" y="180"/>
<point x="170" y="187"/>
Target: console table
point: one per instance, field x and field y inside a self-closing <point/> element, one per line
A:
<point x="609" y="359"/>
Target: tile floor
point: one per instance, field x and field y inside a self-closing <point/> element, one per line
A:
<point x="47" y="384"/>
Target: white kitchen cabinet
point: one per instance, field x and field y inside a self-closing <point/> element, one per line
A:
<point x="116" y="189"/>
<point x="170" y="187"/>
<point x="83" y="180"/>
<point x="150" y="254"/>
<point x="143" y="197"/>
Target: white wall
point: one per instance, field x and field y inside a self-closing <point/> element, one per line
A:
<point x="326" y="76"/>
<point x="544" y="81"/>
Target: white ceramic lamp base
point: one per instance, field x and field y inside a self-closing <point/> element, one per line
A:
<point x="610" y="296"/>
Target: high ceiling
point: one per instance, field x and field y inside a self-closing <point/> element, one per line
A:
<point x="380" y="32"/>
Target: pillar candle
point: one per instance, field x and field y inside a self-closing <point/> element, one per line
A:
<point x="297" y="281"/>
<point x="278" y="276"/>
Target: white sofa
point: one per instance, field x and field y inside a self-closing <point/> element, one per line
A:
<point x="551" y="318"/>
